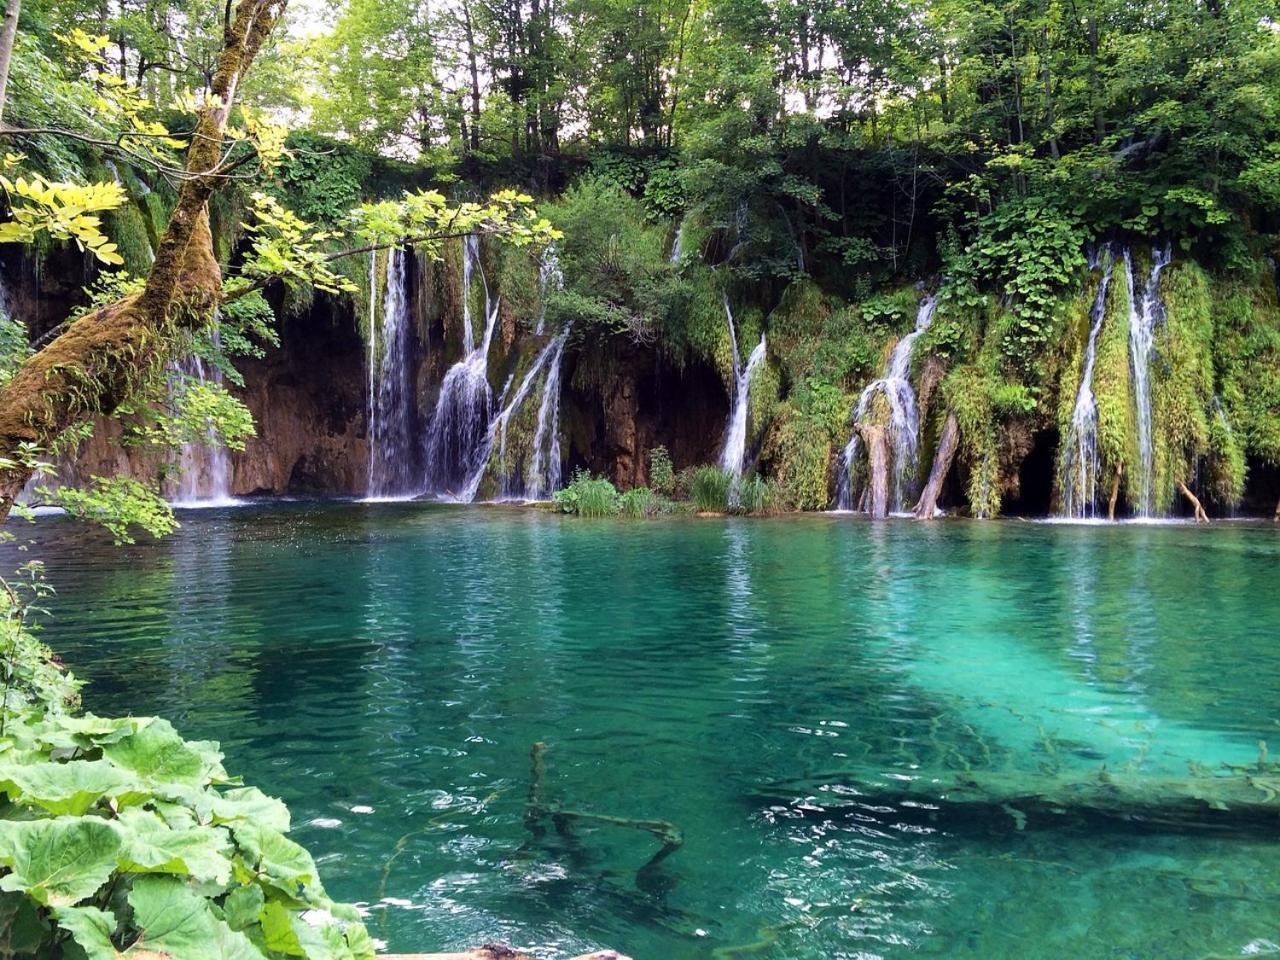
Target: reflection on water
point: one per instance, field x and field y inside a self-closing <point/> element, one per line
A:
<point x="770" y="687"/>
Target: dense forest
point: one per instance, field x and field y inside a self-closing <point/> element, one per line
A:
<point x="917" y="257"/>
<point x="816" y="170"/>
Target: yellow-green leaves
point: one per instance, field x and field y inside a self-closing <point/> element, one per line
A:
<point x="64" y="211"/>
<point x="289" y="248"/>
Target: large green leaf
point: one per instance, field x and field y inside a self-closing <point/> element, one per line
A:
<point x="21" y="928"/>
<point x="91" y="929"/>
<point x="151" y="846"/>
<point x="157" y="753"/>
<point x="175" y="921"/>
<point x="250" y="803"/>
<point x="243" y="907"/>
<point x="286" y="864"/>
<point x="65" y="788"/>
<point x="58" y="862"/>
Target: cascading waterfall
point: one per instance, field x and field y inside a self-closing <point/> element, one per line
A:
<point x="1080" y="462"/>
<point x="550" y="277"/>
<point x="536" y="480"/>
<point x="733" y="452"/>
<point x="1144" y="313"/>
<point x="544" y="474"/>
<point x="392" y="405"/>
<point x="456" y="437"/>
<point x="904" y="417"/>
<point x="205" y="468"/>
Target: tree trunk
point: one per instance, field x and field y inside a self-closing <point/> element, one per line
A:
<point x="102" y="358"/>
<point x="876" y="441"/>
<point x="8" y="34"/>
<point x="1115" y="493"/>
<point x="1201" y="516"/>
<point x="474" y="69"/>
<point x="946" y="452"/>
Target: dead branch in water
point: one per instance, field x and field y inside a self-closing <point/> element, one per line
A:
<point x="946" y="452"/>
<point x="1201" y="516"/>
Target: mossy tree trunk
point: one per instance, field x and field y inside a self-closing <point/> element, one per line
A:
<point x="946" y="452"/>
<point x="101" y="358"/>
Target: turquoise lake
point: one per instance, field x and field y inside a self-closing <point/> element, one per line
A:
<point x="784" y="692"/>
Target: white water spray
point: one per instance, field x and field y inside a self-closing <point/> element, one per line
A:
<point x="904" y="418"/>
<point x="456" y="446"/>
<point x="733" y="453"/>
<point x="1080" y="462"/>
<point x="1145" y="312"/>
<point x="392" y="403"/>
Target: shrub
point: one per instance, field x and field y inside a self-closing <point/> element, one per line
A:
<point x="662" y="474"/>
<point x="643" y="503"/>
<point x="758" y="496"/>
<point x="709" y="488"/>
<point x="588" y="496"/>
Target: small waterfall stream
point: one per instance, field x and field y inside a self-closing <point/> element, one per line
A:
<point x="1080" y="446"/>
<point x="550" y="277"/>
<point x="392" y="405"/>
<point x="204" y="478"/>
<point x="456" y="438"/>
<point x="733" y="452"/>
<point x="531" y="480"/>
<point x="1145" y="313"/>
<point x="904" y="418"/>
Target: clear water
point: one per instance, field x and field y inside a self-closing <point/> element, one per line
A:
<point x="386" y="668"/>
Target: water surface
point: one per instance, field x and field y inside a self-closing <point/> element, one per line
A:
<point x="765" y="686"/>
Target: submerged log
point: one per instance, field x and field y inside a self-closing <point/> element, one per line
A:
<point x="946" y="452"/>
<point x="1201" y="516"/>
<point x="1245" y="802"/>
<point x="494" y="951"/>
<point x="876" y="441"/>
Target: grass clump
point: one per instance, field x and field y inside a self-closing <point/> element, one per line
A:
<point x="757" y="496"/>
<point x="643" y="503"/>
<point x="709" y="489"/>
<point x="588" y="496"/>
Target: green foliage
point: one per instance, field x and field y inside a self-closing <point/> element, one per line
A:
<point x="643" y="503"/>
<point x="710" y="488"/>
<point x="322" y="180"/>
<point x="1113" y="388"/>
<point x="588" y="496"/>
<point x="1029" y="249"/>
<point x="662" y="474"/>
<point x="121" y="504"/>
<point x="1182" y="380"/>
<point x="757" y="496"/>
<point x="808" y="427"/>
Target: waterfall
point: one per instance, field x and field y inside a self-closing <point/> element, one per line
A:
<point x="544" y="476"/>
<point x="516" y="483"/>
<point x="550" y="277"/>
<point x="1144" y="313"/>
<point x="1080" y="446"/>
<point x="677" y="245"/>
<point x="204" y="479"/>
<point x="392" y="402"/>
<point x="459" y="426"/>
<point x="904" y="418"/>
<point x="735" y="435"/>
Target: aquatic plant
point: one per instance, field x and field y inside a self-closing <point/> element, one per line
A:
<point x="588" y="496"/>
<point x="710" y="488"/>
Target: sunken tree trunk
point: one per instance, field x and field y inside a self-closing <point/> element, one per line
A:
<point x="105" y="355"/>
<point x="947" y="444"/>
<point x="1196" y="506"/>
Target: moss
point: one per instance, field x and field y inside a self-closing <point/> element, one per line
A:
<point x="1246" y="322"/>
<point x="802" y="437"/>
<point x="1113" y="388"/>
<point x="1181" y="380"/>
<point x="128" y="228"/>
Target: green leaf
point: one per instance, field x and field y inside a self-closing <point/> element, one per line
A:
<point x="91" y="929"/>
<point x="151" y="846"/>
<point x="243" y="907"/>
<point x="65" y="788"/>
<point x="175" y="921"/>
<point x="157" y="753"/>
<point x="58" y="862"/>
<point x="21" y="928"/>
<point x="250" y="803"/>
<point x="279" y="859"/>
